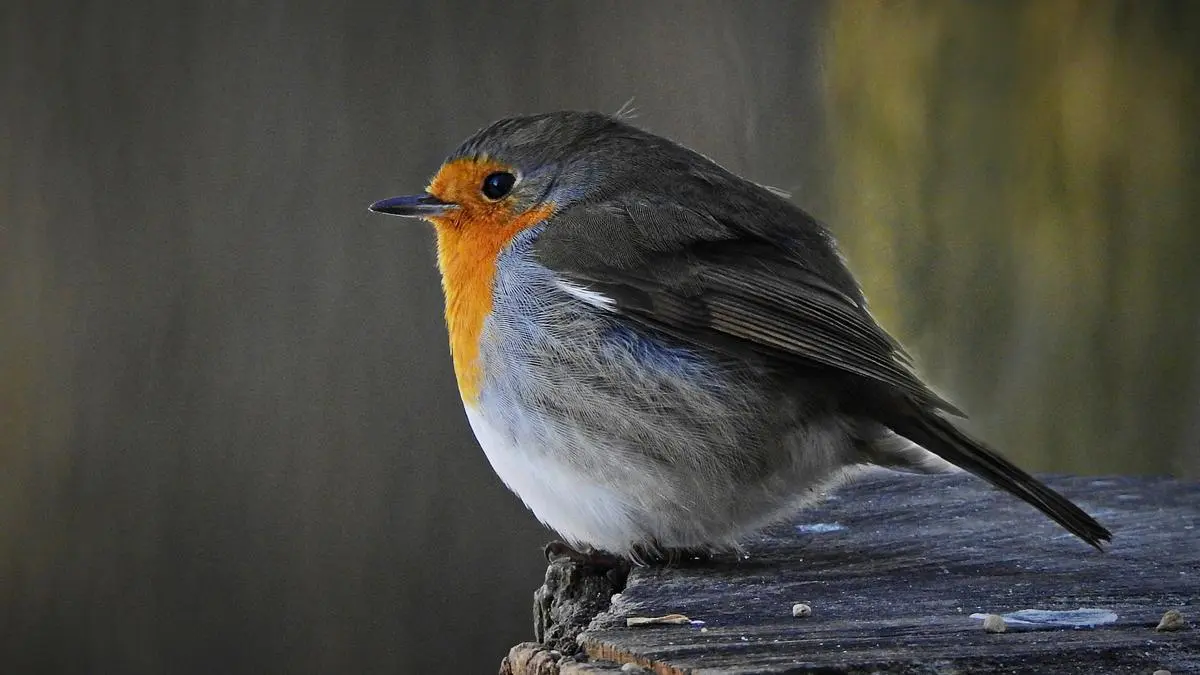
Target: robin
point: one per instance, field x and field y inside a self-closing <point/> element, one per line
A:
<point x="659" y="356"/>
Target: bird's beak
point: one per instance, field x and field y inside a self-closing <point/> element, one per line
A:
<point x="415" y="206"/>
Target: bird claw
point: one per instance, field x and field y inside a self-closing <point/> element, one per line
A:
<point x="558" y="551"/>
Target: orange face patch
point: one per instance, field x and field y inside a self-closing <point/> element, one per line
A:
<point x="469" y="239"/>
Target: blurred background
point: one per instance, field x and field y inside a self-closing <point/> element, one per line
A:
<point x="230" y="439"/>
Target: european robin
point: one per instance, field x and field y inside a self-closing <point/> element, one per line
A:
<point x="660" y="356"/>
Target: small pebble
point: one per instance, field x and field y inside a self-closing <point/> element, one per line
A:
<point x="801" y="610"/>
<point x="1162" y="672"/>
<point x="1171" y="620"/>
<point x="994" y="623"/>
<point x="633" y="668"/>
<point x="668" y="620"/>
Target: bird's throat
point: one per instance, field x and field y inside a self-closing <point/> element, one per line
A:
<point x="468" y="249"/>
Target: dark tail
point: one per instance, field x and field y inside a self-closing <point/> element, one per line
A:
<point x="939" y="436"/>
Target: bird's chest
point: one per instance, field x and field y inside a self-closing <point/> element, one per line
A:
<point x="549" y="410"/>
<point x="541" y="416"/>
<point x="593" y="422"/>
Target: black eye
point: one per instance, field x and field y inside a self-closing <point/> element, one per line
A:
<point x="498" y="184"/>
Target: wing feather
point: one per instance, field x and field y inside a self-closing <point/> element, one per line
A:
<point x="726" y="286"/>
<point x="769" y="281"/>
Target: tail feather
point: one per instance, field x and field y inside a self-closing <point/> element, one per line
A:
<point x="939" y="436"/>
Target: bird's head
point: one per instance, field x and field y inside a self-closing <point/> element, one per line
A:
<point x="526" y="168"/>
<point x="505" y="179"/>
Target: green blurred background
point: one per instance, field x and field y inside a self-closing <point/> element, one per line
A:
<point x="230" y="439"/>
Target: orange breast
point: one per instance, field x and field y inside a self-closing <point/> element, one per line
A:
<point x="469" y="241"/>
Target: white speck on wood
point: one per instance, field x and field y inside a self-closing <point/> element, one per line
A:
<point x="994" y="623"/>
<point x="1172" y="619"/>
<point x="668" y="620"/>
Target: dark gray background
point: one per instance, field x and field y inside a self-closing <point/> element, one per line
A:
<point x="230" y="439"/>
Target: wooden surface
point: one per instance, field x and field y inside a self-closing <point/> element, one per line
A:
<point x="894" y="566"/>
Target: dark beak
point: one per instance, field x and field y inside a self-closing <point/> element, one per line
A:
<point x="416" y="206"/>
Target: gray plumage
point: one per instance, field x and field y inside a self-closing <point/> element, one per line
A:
<point x="684" y="354"/>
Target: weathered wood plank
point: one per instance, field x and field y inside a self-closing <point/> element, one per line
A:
<point x="893" y="567"/>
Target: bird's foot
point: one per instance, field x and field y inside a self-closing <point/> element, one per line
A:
<point x="560" y="551"/>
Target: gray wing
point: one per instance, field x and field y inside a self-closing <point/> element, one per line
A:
<point x="771" y="283"/>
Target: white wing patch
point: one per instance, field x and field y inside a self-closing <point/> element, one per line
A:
<point x="598" y="300"/>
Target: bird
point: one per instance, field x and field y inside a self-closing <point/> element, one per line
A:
<point x="660" y="357"/>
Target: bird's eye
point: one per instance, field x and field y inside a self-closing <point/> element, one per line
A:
<point x="498" y="184"/>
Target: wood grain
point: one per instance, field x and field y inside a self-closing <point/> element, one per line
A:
<point x="893" y="567"/>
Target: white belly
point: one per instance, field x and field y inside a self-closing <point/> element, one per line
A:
<point x="573" y="504"/>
